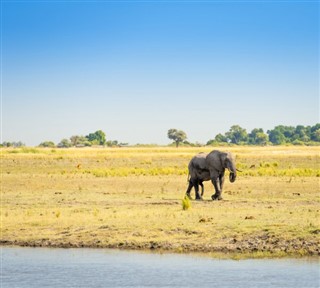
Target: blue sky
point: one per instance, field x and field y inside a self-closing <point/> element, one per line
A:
<point x="135" y="69"/>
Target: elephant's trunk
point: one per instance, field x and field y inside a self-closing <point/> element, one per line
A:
<point x="233" y="173"/>
<point x="232" y="177"/>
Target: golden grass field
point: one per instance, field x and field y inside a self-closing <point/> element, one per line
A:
<point x="132" y="198"/>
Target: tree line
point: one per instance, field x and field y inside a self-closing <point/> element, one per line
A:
<point x="279" y="135"/>
<point x="96" y="138"/>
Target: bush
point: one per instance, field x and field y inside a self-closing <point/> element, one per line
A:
<point x="186" y="204"/>
<point x="298" y="142"/>
<point x="47" y="144"/>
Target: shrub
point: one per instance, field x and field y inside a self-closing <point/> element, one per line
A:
<point x="49" y="144"/>
<point x="186" y="204"/>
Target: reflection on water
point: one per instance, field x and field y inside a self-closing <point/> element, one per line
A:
<point x="44" y="267"/>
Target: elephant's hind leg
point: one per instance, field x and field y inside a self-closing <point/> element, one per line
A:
<point x="195" y="183"/>
<point x="189" y="189"/>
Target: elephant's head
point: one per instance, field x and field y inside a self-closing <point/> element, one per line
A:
<point x="229" y="163"/>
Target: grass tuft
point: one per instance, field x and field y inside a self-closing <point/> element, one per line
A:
<point x="186" y="203"/>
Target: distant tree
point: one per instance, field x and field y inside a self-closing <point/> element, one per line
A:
<point x="287" y="131"/>
<point x="19" y="144"/>
<point x="75" y="140"/>
<point x="218" y="139"/>
<point x="79" y="141"/>
<point x="315" y="133"/>
<point x="257" y="137"/>
<point x="221" y="138"/>
<point x="65" y="143"/>
<point x="49" y="144"/>
<point x="177" y="136"/>
<point x="13" y="144"/>
<point x="262" y="139"/>
<point x="279" y="135"/>
<point x="98" y="137"/>
<point x="237" y="134"/>
<point x="288" y="134"/>
<point x="112" y="143"/>
<point x="276" y="137"/>
<point x="301" y="133"/>
<point x="7" y="144"/>
<point x="211" y="142"/>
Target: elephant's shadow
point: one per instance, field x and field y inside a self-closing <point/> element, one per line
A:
<point x="208" y="200"/>
<point x="196" y="201"/>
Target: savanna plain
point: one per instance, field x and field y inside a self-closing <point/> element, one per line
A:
<point x="131" y="198"/>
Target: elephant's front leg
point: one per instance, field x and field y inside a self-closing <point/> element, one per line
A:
<point x="221" y="182"/>
<point x="216" y="184"/>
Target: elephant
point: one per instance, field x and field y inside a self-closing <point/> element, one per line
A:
<point x="198" y="172"/>
<point x="204" y="167"/>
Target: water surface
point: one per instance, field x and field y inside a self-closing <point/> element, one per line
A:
<point x="47" y="267"/>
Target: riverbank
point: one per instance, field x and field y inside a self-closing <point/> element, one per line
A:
<point x="131" y="199"/>
<point x="256" y="247"/>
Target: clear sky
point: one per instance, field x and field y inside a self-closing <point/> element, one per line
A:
<point x="135" y="69"/>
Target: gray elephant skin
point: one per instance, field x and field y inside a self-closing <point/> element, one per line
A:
<point x="205" y="167"/>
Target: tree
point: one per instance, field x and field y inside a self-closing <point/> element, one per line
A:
<point x="287" y="133"/>
<point x="237" y="134"/>
<point x="75" y="140"/>
<point x="301" y="133"/>
<point x="276" y="137"/>
<point x="177" y="136"/>
<point x="221" y="138"/>
<point x="80" y="141"/>
<point x="13" y="144"/>
<point x="98" y="137"/>
<point x="49" y="144"/>
<point x="64" y="143"/>
<point x="257" y="137"/>
<point x="262" y="139"/>
<point x="315" y="133"/>
<point x="112" y="143"/>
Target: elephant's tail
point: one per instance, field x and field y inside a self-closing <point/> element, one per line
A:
<point x="189" y="176"/>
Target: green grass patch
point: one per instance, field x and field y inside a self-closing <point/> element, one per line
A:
<point x="186" y="203"/>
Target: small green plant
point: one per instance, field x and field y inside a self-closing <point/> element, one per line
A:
<point x="57" y="214"/>
<point x="186" y="204"/>
<point x="96" y="212"/>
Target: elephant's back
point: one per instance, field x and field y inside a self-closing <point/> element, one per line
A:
<point x="201" y="155"/>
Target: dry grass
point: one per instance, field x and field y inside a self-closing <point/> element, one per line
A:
<point x="131" y="198"/>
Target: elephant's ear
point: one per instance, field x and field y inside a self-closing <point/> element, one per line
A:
<point x="224" y="159"/>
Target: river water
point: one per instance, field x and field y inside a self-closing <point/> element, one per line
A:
<point x="48" y="267"/>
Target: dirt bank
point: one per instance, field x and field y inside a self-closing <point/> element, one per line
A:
<point x="263" y="245"/>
